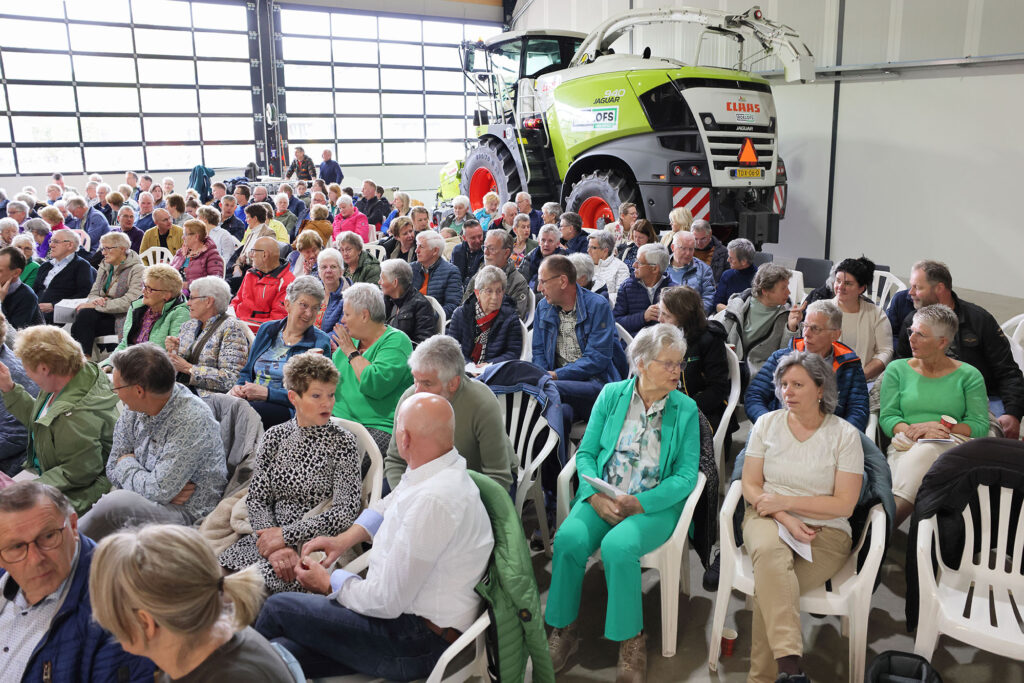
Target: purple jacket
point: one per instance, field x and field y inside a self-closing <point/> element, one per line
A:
<point x="208" y="262"/>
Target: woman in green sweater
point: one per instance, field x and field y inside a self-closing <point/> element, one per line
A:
<point x="373" y="360"/>
<point x="919" y="394"/>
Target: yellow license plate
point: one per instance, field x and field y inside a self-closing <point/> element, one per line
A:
<point x="746" y="172"/>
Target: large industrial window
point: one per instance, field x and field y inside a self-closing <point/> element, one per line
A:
<point x="108" y="85"/>
<point x="377" y="89"/>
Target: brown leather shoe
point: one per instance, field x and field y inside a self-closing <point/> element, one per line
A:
<point x="632" y="660"/>
<point x="563" y="643"/>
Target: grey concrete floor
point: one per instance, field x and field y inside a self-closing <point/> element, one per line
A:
<point x="826" y="650"/>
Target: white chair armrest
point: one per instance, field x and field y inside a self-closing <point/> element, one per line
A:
<point x="461" y="643"/>
<point x="732" y="499"/>
<point x="359" y="564"/>
<point x="876" y="525"/>
<point x="925" y="575"/>
<point x="565" y="491"/>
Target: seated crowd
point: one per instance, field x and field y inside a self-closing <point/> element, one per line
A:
<point x="319" y="324"/>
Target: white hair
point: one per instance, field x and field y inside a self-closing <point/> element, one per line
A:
<point x="461" y="200"/>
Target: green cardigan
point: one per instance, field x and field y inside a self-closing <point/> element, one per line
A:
<point x="72" y="441"/>
<point x="28" y="275"/>
<point x="371" y="400"/>
<point x="680" y="445"/>
<point x="172" y="317"/>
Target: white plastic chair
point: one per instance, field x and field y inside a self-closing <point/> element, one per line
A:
<point x="625" y="336"/>
<point x="527" y="429"/>
<point x="442" y="319"/>
<point x="872" y="429"/>
<point x="722" y="430"/>
<point x="377" y="251"/>
<point x="155" y="255"/>
<point x="373" y="482"/>
<point x="474" y="635"/>
<point x="884" y="287"/>
<point x="849" y="598"/>
<point x="532" y="310"/>
<point x="1011" y="326"/>
<point x="988" y="584"/>
<point x="527" y="352"/>
<point x="796" y="287"/>
<point x="670" y="559"/>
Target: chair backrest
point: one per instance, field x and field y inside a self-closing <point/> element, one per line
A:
<point x="532" y="437"/>
<point x="527" y="352"/>
<point x="815" y="270"/>
<point x="376" y="250"/>
<point x="762" y="257"/>
<point x="532" y="311"/>
<point x="722" y="428"/>
<point x="625" y="336"/>
<point x="1011" y="326"/>
<point x="442" y="319"/>
<point x="249" y="334"/>
<point x="373" y="482"/>
<point x="155" y="255"/>
<point x="992" y="558"/>
<point x="884" y="287"/>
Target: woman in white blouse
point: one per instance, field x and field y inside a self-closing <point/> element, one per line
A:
<point x="866" y="328"/>
<point x="803" y="471"/>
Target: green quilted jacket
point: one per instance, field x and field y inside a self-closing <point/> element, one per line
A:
<point x="516" y="634"/>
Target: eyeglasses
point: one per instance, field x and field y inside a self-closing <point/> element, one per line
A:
<point x="198" y="298"/>
<point x="491" y="292"/>
<point x="106" y="250"/>
<point x="541" y="281"/>
<point x="920" y="335"/>
<point x="48" y="540"/>
<point x="670" y="365"/>
<point x="147" y="288"/>
<point x="814" y="329"/>
<point x="641" y="265"/>
<point x="491" y="250"/>
<point x="259" y="251"/>
<point x="123" y="386"/>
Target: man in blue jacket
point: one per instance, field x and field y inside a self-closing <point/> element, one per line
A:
<point x="330" y="171"/>
<point x="85" y="218"/>
<point x="571" y="226"/>
<point x="686" y="270"/>
<point x="574" y="337"/>
<point x="468" y="255"/>
<point x="822" y="328"/>
<point x="636" y="305"/>
<point x="46" y="625"/>
<point x="433" y="276"/>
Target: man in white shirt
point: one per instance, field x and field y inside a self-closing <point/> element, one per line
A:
<point x="431" y="544"/>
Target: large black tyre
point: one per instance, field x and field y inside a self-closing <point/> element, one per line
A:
<point x="604" y="190"/>
<point x="490" y="157"/>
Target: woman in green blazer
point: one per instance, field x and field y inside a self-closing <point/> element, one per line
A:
<point x="643" y="438"/>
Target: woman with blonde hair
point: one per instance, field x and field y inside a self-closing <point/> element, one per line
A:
<point x="489" y="211"/>
<point x="303" y="259"/>
<point x="160" y="312"/>
<point x="402" y="204"/>
<point x="679" y="219"/>
<point x="161" y="593"/>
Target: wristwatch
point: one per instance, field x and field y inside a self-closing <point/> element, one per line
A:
<point x="352" y="355"/>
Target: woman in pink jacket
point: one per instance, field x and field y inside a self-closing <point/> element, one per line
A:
<point x="198" y="257"/>
<point x="350" y="219"/>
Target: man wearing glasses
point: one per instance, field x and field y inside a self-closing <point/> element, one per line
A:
<point x="46" y="626"/>
<point x="498" y="253"/>
<point x="65" y="275"/>
<point x="636" y="305"/>
<point x="262" y="293"/>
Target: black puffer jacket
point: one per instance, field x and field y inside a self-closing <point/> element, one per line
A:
<point x="412" y="314"/>
<point x="706" y="374"/>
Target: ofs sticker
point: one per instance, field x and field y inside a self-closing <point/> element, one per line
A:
<point x="745" y="118"/>
<point x="596" y="118"/>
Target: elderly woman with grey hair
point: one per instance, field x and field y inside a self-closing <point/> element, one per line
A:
<point x="406" y="309"/>
<point x="360" y="265"/>
<point x="27" y="246"/>
<point x="524" y="242"/>
<point x="8" y="229"/>
<point x="261" y="380"/>
<point x="117" y="285"/>
<point x="330" y="265"/>
<point x="609" y="270"/>
<point x="486" y="325"/>
<point x="585" y="274"/>
<point x="759" y="321"/>
<point x="212" y="347"/>
<point x="636" y="305"/>
<point x="460" y="212"/>
<point x="643" y="438"/>
<point x="928" y="396"/>
<point x="803" y="471"/>
<point x="740" y="274"/>
<point x="372" y="358"/>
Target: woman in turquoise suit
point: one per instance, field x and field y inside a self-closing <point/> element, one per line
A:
<point x="643" y="438"/>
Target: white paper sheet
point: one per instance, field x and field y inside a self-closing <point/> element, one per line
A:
<point x="604" y="487"/>
<point x="799" y="547"/>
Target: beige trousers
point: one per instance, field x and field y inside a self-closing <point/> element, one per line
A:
<point x="909" y="467"/>
<point x="780" y="577"/>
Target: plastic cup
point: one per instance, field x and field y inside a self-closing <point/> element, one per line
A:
<point x="728" y="642"/>
<point x="947" y="422"/>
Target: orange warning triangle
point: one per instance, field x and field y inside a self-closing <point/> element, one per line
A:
<point x="747" y="153"/>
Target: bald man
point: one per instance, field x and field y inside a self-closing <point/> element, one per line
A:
<point x="431" y="544"/>
<point x="262" y="294"/>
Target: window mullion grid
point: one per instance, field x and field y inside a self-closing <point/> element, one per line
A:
<point x="199" y="106"/>
<point x="380" y="93"/>
<point x="10" y="119"/>
<point x="74" y="88"/>
<point x="423" y="80"/>
<point x="138" y="90"/>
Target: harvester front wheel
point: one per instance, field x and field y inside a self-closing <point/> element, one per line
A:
<point x="489" y="168"/>
<point x="597" y="196"/>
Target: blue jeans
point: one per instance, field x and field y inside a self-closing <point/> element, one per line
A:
<point x="331" y="640"/>
<point x="579" y="395"/>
